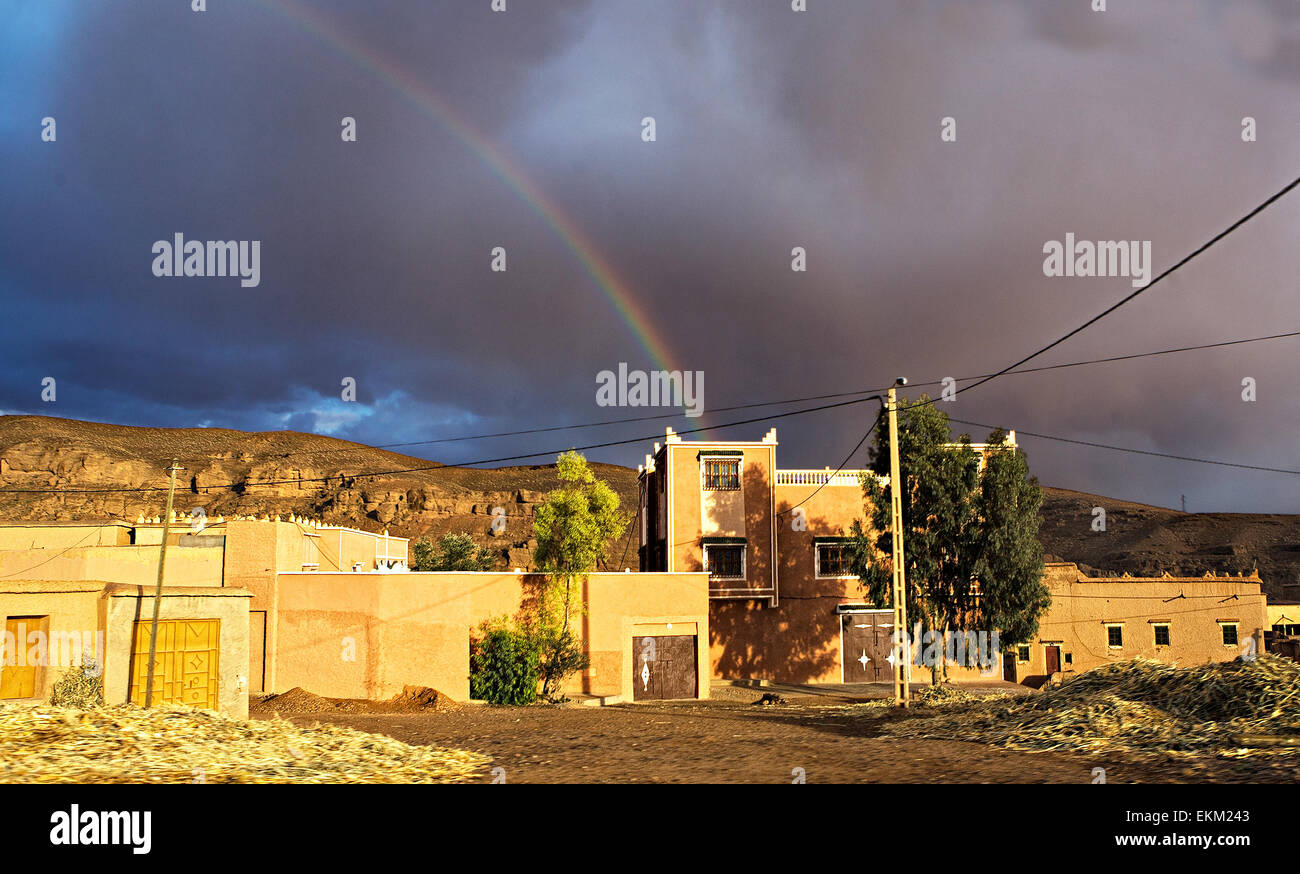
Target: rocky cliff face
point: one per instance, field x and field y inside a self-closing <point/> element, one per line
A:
<point x="86" y="470"/>
<point x="284" y="472"/>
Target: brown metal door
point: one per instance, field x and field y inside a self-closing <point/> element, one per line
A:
<point x="867" y="638"/>
<point x="664" y="667"/>
<point x="1009" y="667"/>
<point x="1053" y="660"/>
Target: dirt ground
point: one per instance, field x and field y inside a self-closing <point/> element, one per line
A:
<point x="730" y="740"/>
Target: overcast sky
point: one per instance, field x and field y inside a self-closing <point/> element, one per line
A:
<point x="773" y="129"/>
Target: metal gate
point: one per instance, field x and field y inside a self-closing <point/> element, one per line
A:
<point x="185" y="663"/>
<point x="664" y="667"/>
<point x="19" y="677"/>
<point x="866" y="641"/>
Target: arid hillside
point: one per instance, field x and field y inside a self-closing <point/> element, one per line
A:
<point x="317" y="476"/>
<point x="1142" y="539"/>
<point x="274" y="472"/>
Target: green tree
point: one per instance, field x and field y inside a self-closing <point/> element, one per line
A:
<point x="573" y="528"/>
<point x="453" y="552"/>
<point x="1010" y="560"/>
<point x="423" y="553"/>
<point x="972" y="558"/>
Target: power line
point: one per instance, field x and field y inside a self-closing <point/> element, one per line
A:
<point x="981" y="381"/>
<point x="1170" y="456"/>
<point x="1205" y="246"/>
<point x="1114" y="358"/>
<point x="627" y="543"/>
<point x="365" y="475"/>
<point x="66" y="550"/>
<point x="88" y="535"/>
<point x="852" y="452"/>
<point x="775" y="403"/>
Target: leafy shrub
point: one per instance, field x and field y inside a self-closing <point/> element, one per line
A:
<point x="80" y="687"/>
<point x="452" y="552"/>
<point x="504" y="667"/>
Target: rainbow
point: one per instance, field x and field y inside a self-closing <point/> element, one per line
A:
<point x="617" y="290"/>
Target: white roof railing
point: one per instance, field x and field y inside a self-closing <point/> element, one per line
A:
<point x="826" y="477"/>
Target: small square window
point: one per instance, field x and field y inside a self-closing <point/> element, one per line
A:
<point x="721" y="474"/>
<point x="1022" y="652"/>
<point x="1069" y="658"/>
<point x="725" y="561"/>
<point x="1229" y="633"/>
<point x="1162" y="635"/>
<point x="833" y="560"/>
<point x="1115" y="636"/>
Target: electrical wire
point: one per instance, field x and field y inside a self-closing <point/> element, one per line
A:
<point x="1168" y="271"/>
<point x="756" y="404"/>
<point x="1150" y="452"/>
<point x="365" y="475"/>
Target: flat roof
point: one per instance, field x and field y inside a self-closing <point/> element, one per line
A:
<point x="50" y="587"/>
<point x="64" y="523"/>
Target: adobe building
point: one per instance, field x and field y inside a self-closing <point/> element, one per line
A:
<point x="784" y="607"/>
<point x="253" y="605"/>
<point x="74" y="592"/>
<point x="744" y="574"/>
<point x="1284" y="618"/>
<point x="1093" y="621"/>
<point x="348" y="635"/>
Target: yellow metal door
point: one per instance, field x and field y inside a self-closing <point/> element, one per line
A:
<point x="17" y="676"/>
<point x="185" y="663"/>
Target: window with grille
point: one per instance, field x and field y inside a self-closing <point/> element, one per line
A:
<point x="724" y="561"/>
<point x="1162" y="635"/>
<point x="833" y="560"/>
<point x="1022" y="653"/>
<point x="1114" y="636"/>
<point x="1229" y="633"/>
<point x="721" y="474"/>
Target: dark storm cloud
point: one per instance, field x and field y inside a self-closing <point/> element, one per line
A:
<point x="775" y="130"/>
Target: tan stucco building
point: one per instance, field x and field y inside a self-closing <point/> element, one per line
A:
<point x="253" y="605"/>
<point x="93" y="583"/>
<point x="783" y="606"/>
<point x="1284" y="618"/>
<point x="1093" y="621"/>
<point x="369" y="635"/>
<point x="744" y="574"/>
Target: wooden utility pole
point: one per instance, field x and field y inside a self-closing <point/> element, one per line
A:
<point x="902" y="652"/>
<point x="157" y="594"/>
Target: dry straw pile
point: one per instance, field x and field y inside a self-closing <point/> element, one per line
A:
<point x="175" y="744"/>
<point x="1228" y="708"/>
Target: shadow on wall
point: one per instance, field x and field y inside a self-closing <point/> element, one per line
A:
<point x="797" y="641"/>
<point x="532" y="590"/>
